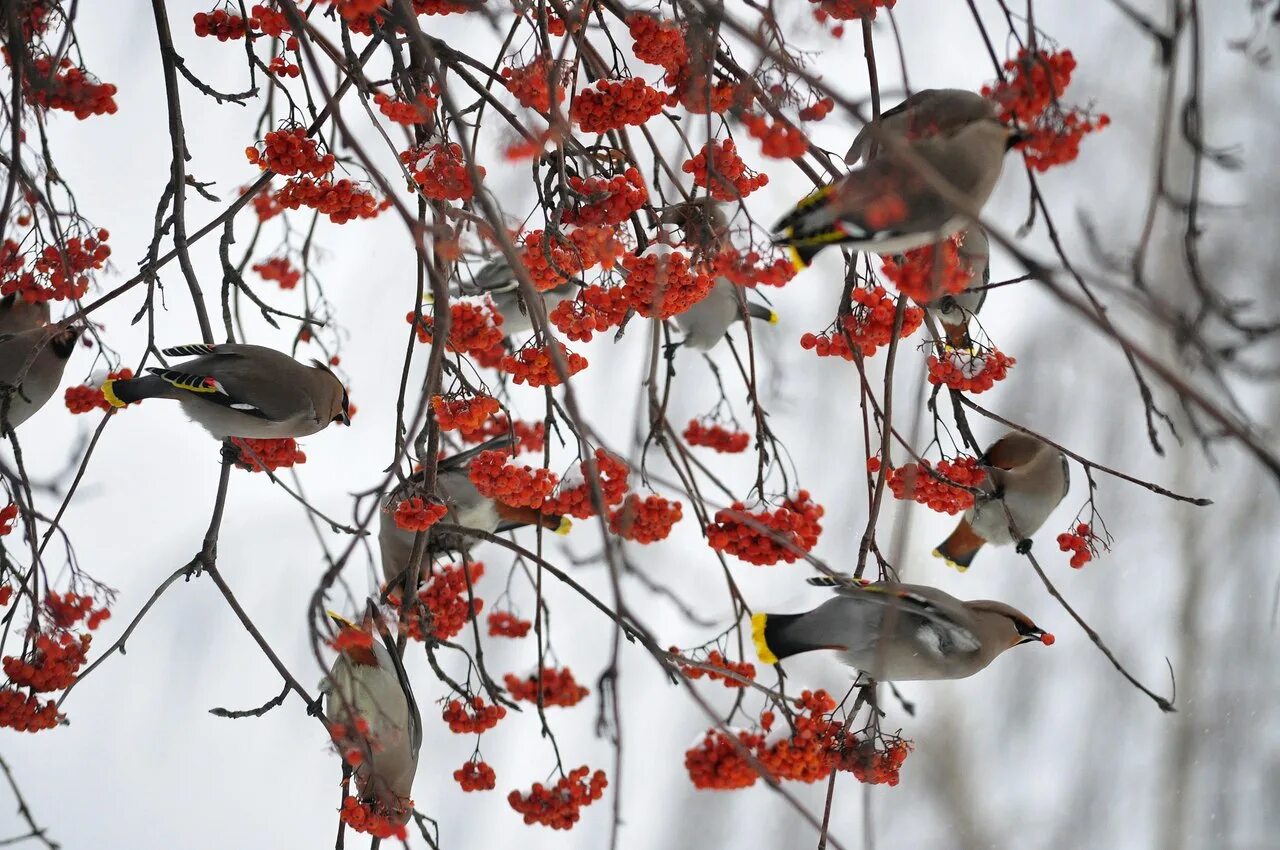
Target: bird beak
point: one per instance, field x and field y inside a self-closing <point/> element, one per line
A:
<point x="342" y="621"/>
<point x="343" y="419"/>
<point x="1016" y="138"/>
<point x="1036" y="636"/>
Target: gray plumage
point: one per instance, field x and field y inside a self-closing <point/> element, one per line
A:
<point x="925" y="113"/>
<point x="898" y="632"/>
<point x="496" y="279"/>
<point x="1034" y="479"/>
<point x="975" y="250"/>
<point x="31" y="366"/>
<point x="18" y="315"/>
<point x="239" y="390"/>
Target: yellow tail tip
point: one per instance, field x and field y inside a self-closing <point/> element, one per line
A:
<point x="109" y="393"/>
<point x="757" y="637"/>
<point x="796" y="260"/>
<point x="773" y="317"/>
<point x="961" y="568"/>
<point x="340" y="620"/>
<point x="565" y="525"/>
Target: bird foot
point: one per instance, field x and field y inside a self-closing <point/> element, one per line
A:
<point x="1024" y="546"/>
<point x="231" y="452"/>
<point x="669" y="350"/>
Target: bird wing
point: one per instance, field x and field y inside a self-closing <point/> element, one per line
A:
<point x="249" y="379"/>
<point x="941" y="620"/>
<point x="415" y="716"/>
<point x="494" y="276"/>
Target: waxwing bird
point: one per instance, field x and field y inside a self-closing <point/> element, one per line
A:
<point x="886" y="206"/>
<point x="31" y="366"/>
<point x="496" y="279"/>
<point x="926" y="113"/>
<point x="1027" y="476"/>
<point x="238" y="390"/>
<point x="18" y="315"/>
<point x="367" y="687"/>
<point x="898" y="632"/>
<point x="954" y="311"/>
<point x="704" y="227"/>
<point x="467" y="508"/>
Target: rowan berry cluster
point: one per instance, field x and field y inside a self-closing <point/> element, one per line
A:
<point x="779" y="139"/>
<point x="595" y="309"/>
<point x="923" y="275"/>
<point x="415" y="514"/>
<point x="476" y="776"/>
<point x="658" y="42"/>
<point x="718" y="168"/>
<point x="1056" y="138"/>
<point x="557" y="687"/>
<point x="552" y="259"/>
<point x="55" y="274"/>
<point x="472" y="717"/>
<point x="817" y="110"/>
<point x="290" y="151"/>
<point x="869" y="326"/>
<point x="66" y="610"/>
<point x="1082" y="543"/>
<point x="24" y="713"/>
<point x="408" y="113"/>
<point x="574" y="496"/>
<point x="713" y="435"/>
<point x="644" y="520"/>
<point x="51" y="664"/>
<point x="606" y="200"/>
<point x="533" y="365"/>
<point x="475" y="326"/>
<point x="280" y="270"/>
<point x="87" y="397"/>
<point x="529" y="83"/>
<point x="507" y="624"/>
<point x="765" y="537"/>
<point x="918" y="482"/>
<point x="716" y="659"/>
<point x="371" y="819"/>
<point x="750" y="269"/>
<point x="440" y="171"/>
<point x="973" y="371"/>
<point x="220" y="24"/>
<point x="8" y="517"/>
<point x="445" y="597"/>
<point x="530" y="436"/>
<point x="269" y="22"/>
<point x="869" y="762"/>
<point x="852" y="10"/>
<point x="463" y="413"/>
<point x="282" y="67"/>
<point x="718" y="763"/>
<point x="342" y="200"/>
<point x="69" y="89"/>
<point x="700" y="96"/>
<point x="353" y="11"/>
<point x="611" y="104"/>
<point x="805" y="756"/>
<point x="518" y="486"/>
<point x="559" y="807"/>
<point x="663" y="282"/>
<point x="256" y="455"/>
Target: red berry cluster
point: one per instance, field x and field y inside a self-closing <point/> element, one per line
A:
<point x="358" y="11"/>
<point x="817" y="110"/>
<point x="280" y="270"/>
<point x="658" y="42"/>
<point x="344" y="642"/>
<point x="969" y="371"/>
<point x="268" y="21"/>
<point x="606" y="200"/>
<point x="805" y="756"/>
<point x="530" y="436"/>
<point x="507" y="624"/>
<point x="87" y="397"/>
<point x="371" y="819"/>
<point x="719" y="169"/>
<point x="869" y="325"/>
<point x="55" y="275"/>
<point x="871" y="763"/>
<point x="713" y="435"/>
<point x="271" y="454"/>
<point x="70" y="89"/>
<point x="440" y="171"/>
<point x="852" y="10"/>
<point x="557" y="687"/>
<point x="472" y="717"/>
<point x="476" y="776"/>
<point x="291" y="151"/>
<point x="1082" y="544"/>
<point x="1056" y="138"/>
<point x="663" y="282"/>
<point x="562" y="257"/>
<point x="475" y="327"/>
<point x="559" y="807"/>
<point x="24" y="713"/>
<point x="414" y="514"/>
<point x="51" y="664"/>
<point x="445" y="597"/>
<point x="700" y="96"/>
<point x="645" y="520"/>
<point x="517" y="486"/>
<point x="916" y="481"/>
<point x="595" y="309"/>
<point x="533" y="365"/>
<point x="716" y="659"/>
<point x="717" y="763"/>
<point x="342" y="200"/>
<point x="529" y="83"/>
<point x="923" y="276"/>
<point x="67" y="610"/>
<point x="610" y="105"/>
<point x="575" y="501"/>
<point x="408" y="113"/>
<point x="282" y="67"/>
<point x="750" y="269"/>
<point x="779" y="139"/>
<point x="8" y="516"/>
<point x="466" y="412"/>
<point x="220" y="24"/>
<point x="788" y="531"/>
<point x="265" y="206"/>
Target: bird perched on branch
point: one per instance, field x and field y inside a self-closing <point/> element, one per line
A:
<point x="31" y="365"/>
<point x="496" y="279"/>
<point x="704" y="228"/>
<point x="238" y="390"/>
<point x="1026" y="476"/>
<point x="887" y="205"/>
<point x="367" y="689"/>
<point x="926" y="113"/>
<point x="898" y="632"/>
<point x="466" y="506"/>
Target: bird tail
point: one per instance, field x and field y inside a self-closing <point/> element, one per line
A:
<point x="959" y="549"/>
<point x="806" y="230"/>
<point x="121" y="391"/>
<point x="958" y="336"/>
<point x="769" y="634"/>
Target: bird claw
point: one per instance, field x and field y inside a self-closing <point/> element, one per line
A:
<point x="1024" y="546"/>
<point x="231" y="453"/>
<point x="669" y="350"/>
